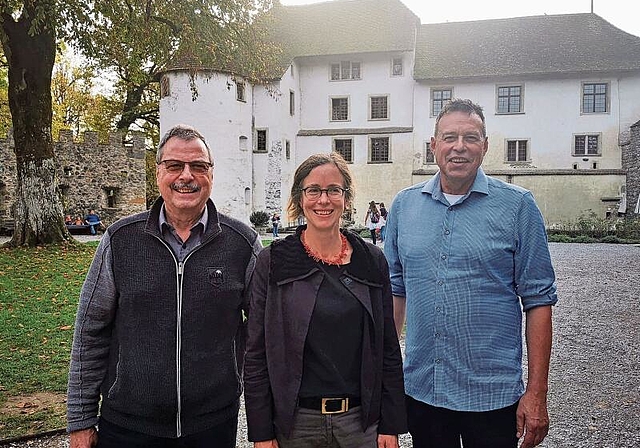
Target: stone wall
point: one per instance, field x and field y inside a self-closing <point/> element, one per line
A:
<point x="109" y="177"/>
<point x="631" y="163"/>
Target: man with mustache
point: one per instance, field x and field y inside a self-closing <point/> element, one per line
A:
<point x="159" y="335"/>
<point x="468" y="255"/>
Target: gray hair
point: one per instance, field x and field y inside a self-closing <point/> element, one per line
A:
<point x="183" y="132"/>
<point x="461" y="105"/>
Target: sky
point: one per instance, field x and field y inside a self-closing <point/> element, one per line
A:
<point x="617" y="12"/>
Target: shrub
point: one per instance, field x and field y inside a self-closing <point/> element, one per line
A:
<point x="259" y="218"/>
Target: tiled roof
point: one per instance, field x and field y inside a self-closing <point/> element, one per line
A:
<point x="343" y="27"/>
<point x="566" y="43"/>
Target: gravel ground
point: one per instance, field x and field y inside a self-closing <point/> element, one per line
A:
<point x="594" y="396"/>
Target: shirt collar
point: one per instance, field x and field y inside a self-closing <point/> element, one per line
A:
<point x="434" y="188"/>
<point x="204" y="219"/>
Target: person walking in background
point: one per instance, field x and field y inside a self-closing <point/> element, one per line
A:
<point x="93" y="221"/>
<point x="467" y="255"/>
<point x="159" y="334"/>
<point x="383" y="221"/>
<point x="323" y="366"/>
<point x="371" y="220"/>
<point x="275" y="224"/>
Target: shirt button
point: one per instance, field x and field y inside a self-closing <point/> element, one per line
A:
<point x="347" y="281"/>
<point x="437" y="335"/>
<point x="440" y="283"/>
<point x="443" y="256"/>
<point x="447" y="232"/>
<point x="438" y="309"/>
<point x="438" y="360"/>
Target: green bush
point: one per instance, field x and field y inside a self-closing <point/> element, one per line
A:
<point x="589" y="228"/>
<point x="259" y="218"/>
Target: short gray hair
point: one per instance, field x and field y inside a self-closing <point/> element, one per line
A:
<point x="183" y="132"/>
<point x="461" y="105"/>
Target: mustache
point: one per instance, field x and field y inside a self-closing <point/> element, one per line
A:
<point x="182" y="187"/>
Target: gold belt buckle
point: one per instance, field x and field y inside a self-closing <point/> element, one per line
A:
<point x="344" y="405"/>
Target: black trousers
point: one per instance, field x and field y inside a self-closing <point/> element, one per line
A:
<point x="220" y="436"/>
<point x="433" y="427"/>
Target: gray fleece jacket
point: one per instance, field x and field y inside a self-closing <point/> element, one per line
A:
<point x="161" y="342"/>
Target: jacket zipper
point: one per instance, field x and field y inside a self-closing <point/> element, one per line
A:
<point x="179" y="278"/>
<point x="179" y="347"/>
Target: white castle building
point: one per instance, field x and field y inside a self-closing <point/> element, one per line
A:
<point x="366" y="79"/>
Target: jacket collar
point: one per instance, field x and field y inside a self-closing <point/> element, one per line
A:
<point x="289" y="259"/>
<point x="212" y="227"/>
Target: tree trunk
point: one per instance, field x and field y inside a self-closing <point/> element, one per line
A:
<point x="130" y="112"/>
<point x="38" y="210"/>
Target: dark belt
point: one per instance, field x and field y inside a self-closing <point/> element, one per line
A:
<point x="329" y="405"/>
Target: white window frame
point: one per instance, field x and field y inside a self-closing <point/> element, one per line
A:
<point x="517" y="142"/>
<point x="587" y="136"/>
<point x="508" y="96"/>
<point x="346" y="71"/>
<point x="241" y="91"/>
<point x="441" y="102"/>
<point x="371" y="99"/>
<point x="339" y="97"/>
<point x="266" y="141"/>
<point x="371" y="138"/>
<point x="397" y="66"/>
<point x="428" y="157"/>
<point x="607" y="97"/>
<point x="334" y="149"/>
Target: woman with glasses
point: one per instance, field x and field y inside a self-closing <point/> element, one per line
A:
<point x="323" y="364"/>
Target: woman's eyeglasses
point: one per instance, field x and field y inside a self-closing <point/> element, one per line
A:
<point x="314" y="193"/>
<point x="177" y="166"/>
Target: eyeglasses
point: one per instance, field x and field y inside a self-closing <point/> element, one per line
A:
<point x="314" y="193"/>
<point x="177" y="166"/>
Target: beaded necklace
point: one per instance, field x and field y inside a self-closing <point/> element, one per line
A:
<point x="336" y="260"/>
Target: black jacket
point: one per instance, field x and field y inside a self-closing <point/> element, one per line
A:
<point x="283" y="293"/>
<point x="161" y="341"/>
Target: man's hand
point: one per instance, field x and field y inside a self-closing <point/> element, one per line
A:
<point x="532" y="419"/>
<point x="85" y="438"/>
<point x="387" y="441"/>
<point x="273" y="443"/>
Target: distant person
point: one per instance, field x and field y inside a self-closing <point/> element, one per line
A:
<point x="159" y="334"/>
<point x="79" y="221"/>
<point x="275" y="224"/>
<point x="93" y="221"/>
<point x="467" y="255"/>
<point x="68" y="220"/>
<point x="383" y="221"/>
<point x="371" y="220"/>
<point x="323" y="366"/>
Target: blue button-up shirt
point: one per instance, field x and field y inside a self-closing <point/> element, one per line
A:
<point x="467" y="272"/>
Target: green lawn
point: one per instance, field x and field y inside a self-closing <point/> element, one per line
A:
<point x="39" y="291"/>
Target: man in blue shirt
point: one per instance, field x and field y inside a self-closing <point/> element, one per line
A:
<point x="93" y="220"/>
<point x="467" y="255"/>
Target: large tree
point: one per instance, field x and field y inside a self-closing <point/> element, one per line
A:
<point x="138" y="39"/>
<point x="28" y="31"/>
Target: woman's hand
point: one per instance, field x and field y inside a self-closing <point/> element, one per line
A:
<point x="273" y="443"/>
<point x="387" y="441"/>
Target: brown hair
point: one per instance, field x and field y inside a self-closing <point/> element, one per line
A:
<point x="294" y="207"/>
